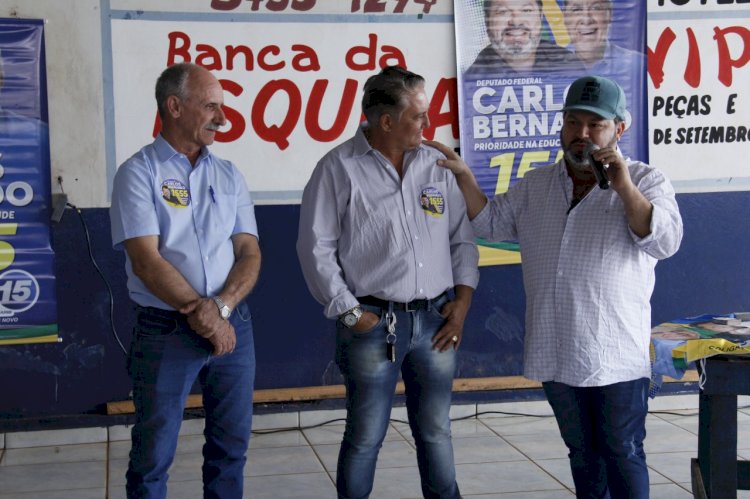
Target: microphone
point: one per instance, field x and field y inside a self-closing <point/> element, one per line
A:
<point x="600" y="171"/>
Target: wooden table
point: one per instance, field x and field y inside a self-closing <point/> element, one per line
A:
<point x="716" y="473"/>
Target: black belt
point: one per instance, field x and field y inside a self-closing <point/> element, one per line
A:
<point x="424" y="304"/>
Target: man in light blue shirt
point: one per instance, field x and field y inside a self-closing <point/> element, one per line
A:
<point x="589" y="250"/>
<point x="383" y="243"/>
<point x="186" y="222"/>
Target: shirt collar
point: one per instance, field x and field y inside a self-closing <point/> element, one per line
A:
<point x="165" y="151"/>
<point x="361" y="146"/>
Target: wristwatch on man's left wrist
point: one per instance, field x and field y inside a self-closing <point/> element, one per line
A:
<point x="224" y="310"/>
<point x="350" y="318"/>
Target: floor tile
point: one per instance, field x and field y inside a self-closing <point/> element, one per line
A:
<point x="61" y="476"/>
<point x="308" y="485"/>
<point x="47" y="438"/>
<point x="328" y="455"/>
<point x="521" y="425"/>
<point x="55" y="454"/>
<point x="282" y="461"/>
<point x="312" y="418"/>
<point x="673" y="465"/>
<point x="119" y="433"/>
<point x="511" y="476"/>
<point x="399" y="483"/>
<point x="393" y="454"/>
<point x="542" y="494"/>
<point x="273" y="421"/>
<point x="519" y="408"/>
<point x="469" y="428"/>
<point x="99" y="493"/>
<point x="484" y="450"/>
<point x="493" y="455"/>
<point x="559" y="469"/>
<point x="663" y="436"/>
<point x="547" y="445"/>
<point x="333" y="433"/>
<point x="669" y="491"/>
<point x="290" y="438"/>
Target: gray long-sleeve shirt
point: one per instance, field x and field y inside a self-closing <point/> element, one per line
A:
<point x="364" y="231"/>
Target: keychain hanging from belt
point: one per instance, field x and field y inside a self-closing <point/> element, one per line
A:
<point x="390" y="338"/>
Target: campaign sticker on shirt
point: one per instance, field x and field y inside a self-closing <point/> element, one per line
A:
<point x="175" y="193"/>
<point x="432" y="201"/>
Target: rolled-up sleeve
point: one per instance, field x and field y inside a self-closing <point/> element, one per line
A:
<point x="317" y="243"/>
<point x="464" y="253"/>
<point x="666" y="221"/>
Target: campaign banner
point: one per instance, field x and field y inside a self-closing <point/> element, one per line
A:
<point x="516" y="60"/>
<point x="699" y="81"/>
<point x="292" y="72"/>
<point x="28" y="304"/>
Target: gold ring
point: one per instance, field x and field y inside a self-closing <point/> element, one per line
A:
<point x="455" y="339"/>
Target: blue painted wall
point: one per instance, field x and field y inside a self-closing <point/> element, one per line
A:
<point x="295" y="343"/>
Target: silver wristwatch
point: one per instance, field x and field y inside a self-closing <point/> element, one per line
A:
<point x="224" y="310"/>
<point x="350" y="318"/>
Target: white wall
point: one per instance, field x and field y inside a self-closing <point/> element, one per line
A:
<point x="74" y="86"/>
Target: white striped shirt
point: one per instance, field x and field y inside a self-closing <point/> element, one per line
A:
<point x="588" y="277"/>
<point x="364" y="231"/>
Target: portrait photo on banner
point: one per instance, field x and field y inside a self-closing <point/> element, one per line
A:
<point x="515" y="61"/>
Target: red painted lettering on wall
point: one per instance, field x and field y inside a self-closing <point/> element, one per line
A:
<point x="252" y="117"/>
<point x="268" y="58"/>
<point x="272" y="5"/>
<point x="445" y="92"/>
<point x="727" y="62"/>
<point x="236" y="120"/>
<point x="312" y="114"/>
<point x="365" y="57"/>
<point x="376" y="6"/>
<point x="278" y="134"/>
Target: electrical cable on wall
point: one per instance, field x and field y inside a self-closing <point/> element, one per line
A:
<point x="96" y="266"/>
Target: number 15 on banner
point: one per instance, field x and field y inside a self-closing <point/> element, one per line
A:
<point x="506" y="165"/>
<point x="19" y="290"/>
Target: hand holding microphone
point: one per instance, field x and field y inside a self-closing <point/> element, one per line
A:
<point x="600" y="170"/>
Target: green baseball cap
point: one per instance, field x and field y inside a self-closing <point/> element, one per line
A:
<point x="598" y="95"/>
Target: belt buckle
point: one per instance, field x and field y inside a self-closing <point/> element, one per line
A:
<point x="407" y="307"/>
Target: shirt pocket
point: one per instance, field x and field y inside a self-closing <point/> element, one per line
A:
<point x="222" y="213"/>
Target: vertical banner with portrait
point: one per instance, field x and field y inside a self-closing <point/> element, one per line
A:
<point x="516" y="59"/>
<point x="28" y="306"/>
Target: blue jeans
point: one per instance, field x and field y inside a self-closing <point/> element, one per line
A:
<point x="604" y="428"/>
<point x="371" y="379"/>
<point x="166" y="357"/>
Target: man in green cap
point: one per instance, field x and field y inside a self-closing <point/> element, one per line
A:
<point x="589" y="247"/>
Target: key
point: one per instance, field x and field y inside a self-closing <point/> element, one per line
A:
<point x="390" y="351"/>
<point x="390" y="339"/>
<point x="390" y="320"/>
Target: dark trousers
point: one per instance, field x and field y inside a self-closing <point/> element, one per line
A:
<point x="604" y="428"/>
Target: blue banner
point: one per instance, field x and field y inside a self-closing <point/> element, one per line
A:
<point x="28" y="305"/>
<point x="516" y="60"/>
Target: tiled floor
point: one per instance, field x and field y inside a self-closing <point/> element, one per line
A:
<point x="497" y="456"/>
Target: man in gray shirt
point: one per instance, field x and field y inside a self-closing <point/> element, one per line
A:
<point x="383" y="240"/>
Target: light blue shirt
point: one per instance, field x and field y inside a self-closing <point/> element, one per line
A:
<point x="588" y="277"/>
<point x="194" y="210"/>
<point x="365" y="231"/>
